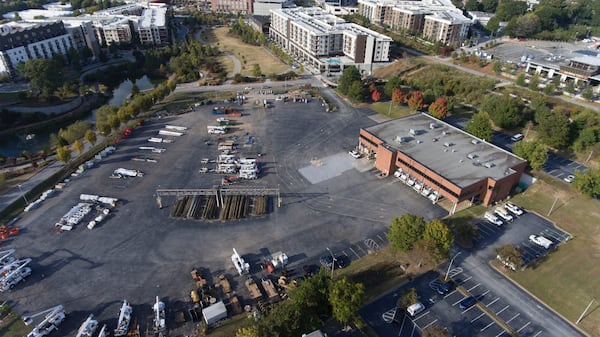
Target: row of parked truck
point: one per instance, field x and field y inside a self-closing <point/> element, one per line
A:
<point x="417" y="185"/>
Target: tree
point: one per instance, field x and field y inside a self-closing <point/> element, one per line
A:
<point x="497" y="67"/>
<point x="588" y="182"/>
<point x="349" y="76"/>
<point x="134" y="90"/>
<point x="510" y="254"/>
<point x="78" y="146"/>
<point x="588" y="93"/>
<point x="587" y="137"/>
<point x="439" y="109"/>
<point x="63" y="154"/>
<point x="256" y="72"/>
<point x="503" y="110"/>
<point x="251" y="331"/>
<point x="440" y="234"/>
<point x="356" y="91"/>
<point x="376" y="96"/>
<point x="104" y="128"/>
<point x="405" y="231"/>
<point x="415" y="100"/>
<point x="479" y="126"/>
<point x="408" y="298"/>
<point x="45" y="76"/>
<point x="391" y="85"/>
<point x="534" y="82"/>
<point x="534" y="152"/>
<point x="520" y="80"/>
<point x="570" y="87"/>
<point x="90" y="137"/>
<point x="466" y="233"/>
<point x="434" y="330"/>
<point x="472" y="5"/>
<point x="346" y="298"/>
<point x="553" y="128"/>
<point x="489" y="6"/>
<point x="398" y="96"/>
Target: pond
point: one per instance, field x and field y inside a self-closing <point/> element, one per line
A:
<point x="34" y="142"/>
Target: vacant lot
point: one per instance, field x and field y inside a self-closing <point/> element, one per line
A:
<point x="567" y="279"/>
<point x="247" y="54"/>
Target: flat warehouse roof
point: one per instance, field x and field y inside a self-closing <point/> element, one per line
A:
<point x="452" y="153"/>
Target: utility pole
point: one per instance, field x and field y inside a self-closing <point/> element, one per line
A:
<point x="332" y="261"/>
<point x="450" y="266"/>
<point x="23" y="194"/>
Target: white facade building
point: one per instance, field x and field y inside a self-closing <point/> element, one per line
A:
<point x="152" y="26"/>
<point x="326" y="42"/>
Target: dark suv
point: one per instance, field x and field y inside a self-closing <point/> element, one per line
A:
<point x="467" y="303"/>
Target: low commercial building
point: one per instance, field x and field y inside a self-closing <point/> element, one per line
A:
<point x="449" y="161"/>
<point x="584" y="68"/>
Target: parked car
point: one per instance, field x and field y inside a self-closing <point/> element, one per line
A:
<point x="493" y="219"/>
<point x="514" y="209"/>
<point x="415" y="309"/>
<point x="467" y="303"/>
<point x="569" y="178"/>
<point x="327" y="261"/>
<point x="355" y="154"/>
<point x="517" y="137"/>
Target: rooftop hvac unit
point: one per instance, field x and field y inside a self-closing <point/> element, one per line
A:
<point x="445" y="132"/>
<point x="432" y="126"/>
<point x="472" y="155"/>
<point x="414" y="132"/>
<point x="474" y="141"/>
<point x="435" y="140"/>
<point x="419" y="141"/>
<point x="448" y="144"/>
<point x="489" y="165"/>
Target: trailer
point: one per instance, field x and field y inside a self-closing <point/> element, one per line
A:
<point x="176" y="128"/>
<point x="155" y="140"/>
<point x="269" y="287"/>
<point x="214" y="313"/>
<point x="170" y="133"/>
<point x="123" y="172"/>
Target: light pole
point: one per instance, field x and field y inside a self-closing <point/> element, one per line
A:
<point x="332" y="261"/>
<point x="450" y="266"/>
<point x="23" y="194"/>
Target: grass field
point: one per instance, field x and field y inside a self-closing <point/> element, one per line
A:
<point x="12" y="325"/>
<point x="247" y="54"/>
<point x="395" y="112"/>
<point x="568" y="279"/>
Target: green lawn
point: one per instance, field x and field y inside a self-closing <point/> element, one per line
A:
<point x="568" y="278"/>
<point x="395" y="111"/>
<point x="12" y="325"/>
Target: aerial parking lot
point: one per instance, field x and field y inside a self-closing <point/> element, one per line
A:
<point x="139" y="251"/>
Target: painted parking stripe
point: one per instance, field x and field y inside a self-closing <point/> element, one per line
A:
<point x="492" y="302"/>
<point x="380" y="238"/>
<point x="485" y="293"/>
<point x="538" y="333"/>
<point x="469" y="308"/>
<point x="465" y="280"/>
<point x="499" y="312"/>
<point x="501" y="333"/>
<point x="473" y="287"/>
<point x="425" y="327"/>
<point x="478" y="317"/>
<point x="487" y="326"/>
<point x="354" y="252"/>
<point x="515" y="316"/>
<point x="362" y="250"/>
<point x="524" y="326"/>
<point x="451" y="293"/>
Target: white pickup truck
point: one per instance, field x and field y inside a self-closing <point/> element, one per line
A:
<point x="540" y="241"/>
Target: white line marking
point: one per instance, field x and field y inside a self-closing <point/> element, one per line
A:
<point x="501" y="333"/>
<point x="515" y="316"/>
<point x="425" y="327"/>
<point x="354" y="252"/>
<point x="473" y="287"/>
<point x="537" y="334"/>
<point x="499" y="312"/>
<point x="465" y="280"/>
<point x="524" y="326"/>
<point x="487" y="326"/>
<point x="492" y="302"/>
<point x="478" y="317"/>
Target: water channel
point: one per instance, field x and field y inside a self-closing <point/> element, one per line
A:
<point x="34" y="142"/>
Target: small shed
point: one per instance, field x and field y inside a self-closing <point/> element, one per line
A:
<point x="214" y="313"/>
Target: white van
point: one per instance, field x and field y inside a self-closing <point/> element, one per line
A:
<point x="415" y="309"/>
<point x="517" y="137"/>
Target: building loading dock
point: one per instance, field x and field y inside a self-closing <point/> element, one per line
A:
<point x="457" y="165"/>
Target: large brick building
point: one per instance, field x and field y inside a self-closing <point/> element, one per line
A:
<point x="455" y="164"/>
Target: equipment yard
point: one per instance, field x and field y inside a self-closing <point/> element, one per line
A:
<point x="176" y="214"/>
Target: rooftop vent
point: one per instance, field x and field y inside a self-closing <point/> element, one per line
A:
<point x="419" y="141"/>
<point x="445" y="132"/>
<point x="472" y="155"/>
<point x="413" y="132"/>
<point x="435" y="140"/>
<point x="474" y="141"/>
<point x="489" y="164"/>
<point x="448" y="144"/>
<point x="432" y="126"/>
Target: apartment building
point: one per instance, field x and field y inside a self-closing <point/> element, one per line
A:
<point x="437" y="20"/>
<point x="152" y="26"/>
<point x="326" y="42"/>
<point x="232" y="6"/>
<point x="22" y="42"/>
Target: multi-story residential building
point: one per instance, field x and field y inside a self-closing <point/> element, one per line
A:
<point x="152" y="26"/>
<point x="114" y="30"/>
<point x="449" y="27"/>
<point x="326" y="42"/>
<point x="23" y="42"/>
<point x="437" y="20"/>
<point x="128" y="9"/>
<point x="232" y="6"/>
<point x="264" y="7"/>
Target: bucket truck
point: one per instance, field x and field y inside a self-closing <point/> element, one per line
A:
<point x="52" y="319"/>
<point x="159" y="316"/>
<point x="239" y="263"/>
<point x="6" y="257"/>
<point x="102" y="332"/>
<point x="88" y="327"/>
<point x="14" y="273"/>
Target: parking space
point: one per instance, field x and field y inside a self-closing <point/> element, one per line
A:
<point x="560" y="167"/>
